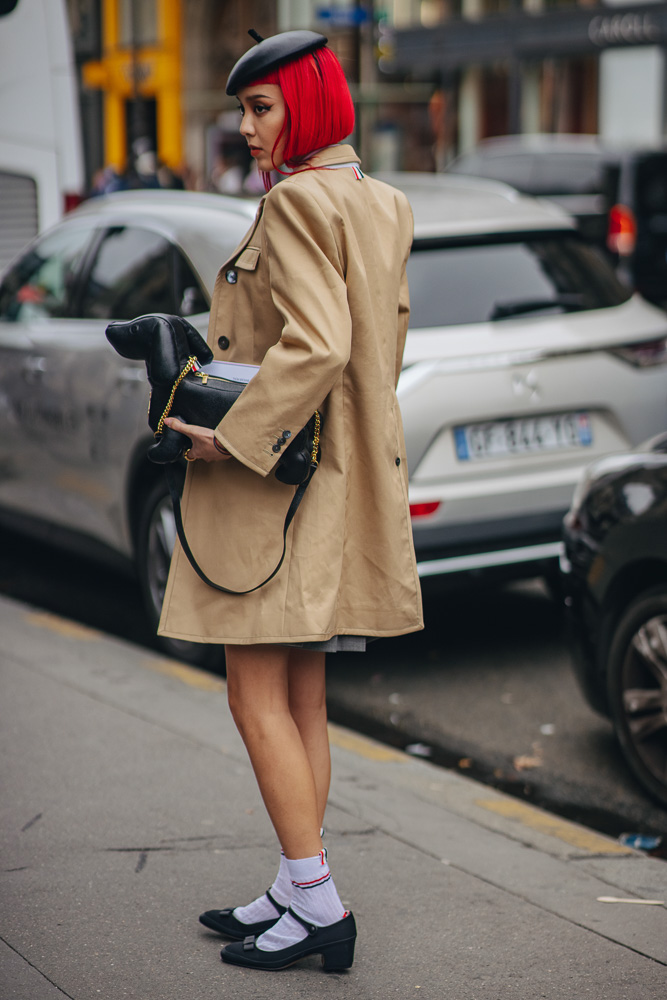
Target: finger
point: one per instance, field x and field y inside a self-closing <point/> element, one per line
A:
<point x="179" y="425"/>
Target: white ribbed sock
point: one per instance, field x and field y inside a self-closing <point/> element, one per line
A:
<point x="261" y="908"/>
<point x="314" y="898"/>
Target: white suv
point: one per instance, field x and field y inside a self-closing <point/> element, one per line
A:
<point x="526" y="359"/>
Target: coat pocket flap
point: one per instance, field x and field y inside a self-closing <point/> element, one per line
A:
<point x="248" y="259"/>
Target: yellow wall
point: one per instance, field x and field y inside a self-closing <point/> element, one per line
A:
<point x="151" y="71"/>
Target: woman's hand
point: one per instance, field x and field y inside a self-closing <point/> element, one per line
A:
<point x="203" y="441"/>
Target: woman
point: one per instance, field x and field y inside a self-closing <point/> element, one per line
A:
<point x="316" y="294"/>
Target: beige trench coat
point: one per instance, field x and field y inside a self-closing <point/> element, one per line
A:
<point x="316" y="293"/>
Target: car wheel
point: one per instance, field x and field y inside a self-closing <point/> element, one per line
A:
<point x="637" y="687"/>
<point x="155" y="544"/>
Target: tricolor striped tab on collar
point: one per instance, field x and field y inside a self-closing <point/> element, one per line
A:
<point x="339" y="166"/>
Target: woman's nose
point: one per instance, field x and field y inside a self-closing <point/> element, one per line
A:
<point x="245" y="127"/>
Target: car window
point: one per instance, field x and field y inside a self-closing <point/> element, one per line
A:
<point x="567" y="173"/>
<point x="511" y="168"/>
<point x="190" y="297"/>
<point x="41" y="284"/>
<point x="476" y="282"/>
<point x="131" y="275"/>
<point x="137" y="271"/>
<point x="651" y="185"/>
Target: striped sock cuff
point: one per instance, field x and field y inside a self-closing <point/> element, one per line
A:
<point x="309" y="873"/>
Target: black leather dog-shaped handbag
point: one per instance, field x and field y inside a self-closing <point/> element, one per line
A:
<point x="177" y="357"/>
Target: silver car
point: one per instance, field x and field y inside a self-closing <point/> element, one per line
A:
<point x="526" y="359"/>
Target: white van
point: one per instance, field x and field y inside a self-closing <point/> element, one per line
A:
<point x="41" y="160"/>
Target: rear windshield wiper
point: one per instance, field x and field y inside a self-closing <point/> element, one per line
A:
<point x="518" y="307"/>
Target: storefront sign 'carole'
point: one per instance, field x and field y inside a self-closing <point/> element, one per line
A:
<point x="619" y="29"/>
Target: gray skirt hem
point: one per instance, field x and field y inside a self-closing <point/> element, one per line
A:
<point x="336" y="644"/>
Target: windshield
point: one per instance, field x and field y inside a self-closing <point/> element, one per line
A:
<point x="452" y="284"/>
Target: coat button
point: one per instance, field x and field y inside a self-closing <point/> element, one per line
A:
<point x="231" y="277"/>
<point x="398" y="461"/>
<point x="276" y="448"/>
<point x="282" y="440"/>
<point x="223" y="343"/>
<point x="287" y="434"/>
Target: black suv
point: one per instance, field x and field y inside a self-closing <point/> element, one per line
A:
<point x="619" y="197"/>
<point x="615" y="580"/>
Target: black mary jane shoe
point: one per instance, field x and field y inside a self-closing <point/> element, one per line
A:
<point x="334" y="943"/>
<point x="224" y="922"/>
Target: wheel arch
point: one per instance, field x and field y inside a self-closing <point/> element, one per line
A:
<point x="626" y="586"/>
<point x="631" y="581"/>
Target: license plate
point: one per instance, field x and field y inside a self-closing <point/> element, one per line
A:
<point x="527" y="435"/>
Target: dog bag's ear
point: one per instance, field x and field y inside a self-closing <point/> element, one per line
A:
<point x="196" y="344"/>
<point x="174" y="341"/>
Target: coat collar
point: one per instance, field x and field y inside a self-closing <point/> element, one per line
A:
<point x="330" y="156"/>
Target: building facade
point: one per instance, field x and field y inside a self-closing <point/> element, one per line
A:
<point x="512" y="66"/>
<point x="430" y="78"/>
<point x="152" y="74"/>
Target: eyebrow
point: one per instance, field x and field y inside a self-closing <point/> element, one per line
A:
<point x="253" y="97"/>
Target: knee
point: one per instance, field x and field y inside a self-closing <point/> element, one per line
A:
<point x="305" y="704"/>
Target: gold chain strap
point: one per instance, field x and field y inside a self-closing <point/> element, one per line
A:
<point x="192" y="361"/>
<point x="316" y="439"/>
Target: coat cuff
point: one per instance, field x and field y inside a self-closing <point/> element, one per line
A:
<point x="238" y="454"/>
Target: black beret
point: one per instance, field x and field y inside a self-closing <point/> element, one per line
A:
<point x="270" y="53"/>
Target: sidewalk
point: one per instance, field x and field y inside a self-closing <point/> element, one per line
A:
<point x="128" y="806"/>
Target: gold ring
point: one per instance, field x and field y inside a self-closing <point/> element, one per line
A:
<point x="186" y="456"/>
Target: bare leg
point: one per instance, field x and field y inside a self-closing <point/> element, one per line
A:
<point x="307" y="703"/>
<point x="259" y="699"/>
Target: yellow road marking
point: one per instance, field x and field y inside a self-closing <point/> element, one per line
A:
<point x="191" y="676"/>
<point x="543" y="822"/>
<point x="362" y="746"/>
<point x="63" y="626"/>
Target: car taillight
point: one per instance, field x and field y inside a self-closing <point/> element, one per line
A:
<point x="622" y="230"/>
<point x="645" y="355"/>
<point x="71" y="201"/>
<point x="424" y="509"/>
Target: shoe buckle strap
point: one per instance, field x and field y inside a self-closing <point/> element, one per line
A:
<point x="280" y="909"/>
<point x="249" y="943"/>
<point x="311" y="928"/>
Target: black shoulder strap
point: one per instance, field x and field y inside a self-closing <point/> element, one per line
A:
<point x="174" y="483"/>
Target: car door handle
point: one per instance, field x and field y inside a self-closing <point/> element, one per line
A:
<point x="33" y="369"/>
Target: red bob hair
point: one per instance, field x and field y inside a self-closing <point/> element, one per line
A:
<point x="318" y="104"/>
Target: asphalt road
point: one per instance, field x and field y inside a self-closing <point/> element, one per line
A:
<point x="486" y="688"/>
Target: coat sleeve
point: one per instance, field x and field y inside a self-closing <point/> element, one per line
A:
<point x="307" y="282"/>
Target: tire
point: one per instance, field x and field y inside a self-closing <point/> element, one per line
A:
<point x="155" y="544"/>
<point x="637" y="688"/>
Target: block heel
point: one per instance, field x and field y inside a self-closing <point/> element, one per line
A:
<point x="338" y="956"/>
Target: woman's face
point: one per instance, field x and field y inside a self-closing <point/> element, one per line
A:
<point x="263" y="110"/>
